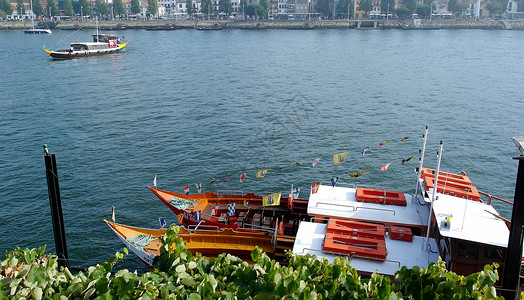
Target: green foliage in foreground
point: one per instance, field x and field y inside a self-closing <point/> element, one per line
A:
<point x="181" y="275"/>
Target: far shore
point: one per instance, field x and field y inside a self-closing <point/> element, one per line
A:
<point x="269" y="24"/>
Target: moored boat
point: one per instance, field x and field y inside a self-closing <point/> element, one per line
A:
<point x="381" y="230"/>
<point x="102" y="44"/>
<point x="242" y="212"/>
<point x="146" y="243"/>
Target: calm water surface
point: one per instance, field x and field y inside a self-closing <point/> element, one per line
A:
<point x="192" y="105"/>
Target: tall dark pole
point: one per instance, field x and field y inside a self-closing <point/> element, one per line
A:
<point x="514" y="254"/>
<point x="56" y="208"/>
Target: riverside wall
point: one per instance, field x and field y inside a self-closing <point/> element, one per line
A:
<point x="323" y="24"/>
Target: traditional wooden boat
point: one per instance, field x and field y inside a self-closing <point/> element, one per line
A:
<point x="450" y="221"/>
<point x="102" y="44"/>
<point x="146" y="243"/>
<point x="241" y="212"/>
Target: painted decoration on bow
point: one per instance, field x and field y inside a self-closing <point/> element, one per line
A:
<point x="314" y="187"/>
<point x="339" y="157"/>
<point x="271" y="200"/>
<point x="315" y="161"/>
<point x="404" y="161"/>
<point x="358" y="173"/>
<point x="261" y="173"/>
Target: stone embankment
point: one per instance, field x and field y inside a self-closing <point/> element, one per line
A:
<point x="324" y="24"/>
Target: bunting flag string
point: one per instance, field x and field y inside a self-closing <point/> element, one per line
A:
<point x="338" y="158"/>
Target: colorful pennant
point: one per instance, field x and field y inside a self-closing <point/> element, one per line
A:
<point x="186" y="189"/>
<point x="385" y="167"/>
<point x="358" y="174"/>
<point x="382" y="144"/>
<point x="404" y="138"/>
<point x="261" y="173"/>
<point x="242" y="177"/>
<point x="198" y="215"/>
<point x="296" y="164"/>
<point x="198" y="187"/>
<point x="296" y="191"/>
<point x="404" y="161"/>
<point x="339" y="157"/>
<point x="154" y="181"/>
<point x="364" y="150"/>
<point x="314" y="187"/>
<point x="334" y="181"/>
<point x="231" y="209"/>
<point x="271" y="200"/>
<point x="315" y="161"/>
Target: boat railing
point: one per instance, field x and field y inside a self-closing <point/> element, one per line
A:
<point x="258" y="228"/>
<point x="376" y="187"/>
<point x="491" y="197"/>
<point x="355" y="208"/>
<point x="345" y="184"/>
<point x="350" y="257"/>
<point x="227" y="192"/>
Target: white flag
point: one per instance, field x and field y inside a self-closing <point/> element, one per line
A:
<point x="315" y="161"/>
<point x="154" y="181"/>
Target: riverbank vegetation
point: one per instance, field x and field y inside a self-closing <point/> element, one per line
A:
<point x="181" y="275"/>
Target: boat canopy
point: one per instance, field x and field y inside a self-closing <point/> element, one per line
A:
<point x="469" y="220"/>
<point x="104" y="37"/>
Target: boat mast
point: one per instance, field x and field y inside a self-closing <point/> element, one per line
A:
<point x="32" y="17"/>
<point x="422" y="153"/>
<point x="433" y="196"/>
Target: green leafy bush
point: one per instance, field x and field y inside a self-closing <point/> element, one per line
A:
<point x="181" y="275"/>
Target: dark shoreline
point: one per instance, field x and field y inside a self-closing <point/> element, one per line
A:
<point x="267" y="24"/>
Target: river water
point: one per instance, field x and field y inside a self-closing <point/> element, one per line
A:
<point x="192" y="106"/>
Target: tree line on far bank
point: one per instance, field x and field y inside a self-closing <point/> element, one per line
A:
<point x="343" y="9"/>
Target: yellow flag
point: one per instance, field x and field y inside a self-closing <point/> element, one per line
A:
<point x="273" y="199"/>
<point x="339" y="158"/>
<point x="261" y="173"/>
<point x="357" y="174"/>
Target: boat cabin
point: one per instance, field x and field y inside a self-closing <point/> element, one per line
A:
<point x="468" y="234"/>
<point x="104" y="37"/>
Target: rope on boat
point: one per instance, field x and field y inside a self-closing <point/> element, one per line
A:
<point x="68" y="36"/>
